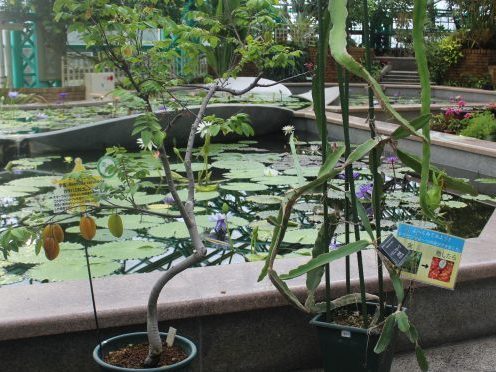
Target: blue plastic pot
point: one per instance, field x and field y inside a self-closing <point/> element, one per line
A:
<point x="118" y="342"/>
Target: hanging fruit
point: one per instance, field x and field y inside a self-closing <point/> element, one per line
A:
<point x="53" y="231"/>
<point x="115" y="225"/>
<point x="51" y="247"/>
<point x="87" y="227"/>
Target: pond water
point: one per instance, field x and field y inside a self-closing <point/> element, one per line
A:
<point x="252" y="176"/>
<point x="362" y="100"/>
<point x="63" y="116"/>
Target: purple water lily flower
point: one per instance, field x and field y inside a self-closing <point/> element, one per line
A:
<point x="365" y="191"/>
<point x="13" y="94"/>
<point x="342" y="176"/>
<point x="334" y="245"/>
<point x="63" y="95"/>
<point x="220" y="220"/>
<point x="169" y="200"/>
<point x="162" y="108"/>
<point x="392" y="160"/>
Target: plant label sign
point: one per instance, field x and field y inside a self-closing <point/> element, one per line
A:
<point x="73" y="193"/>
<point x="434" y="258"/>
<point x="396" y="252"/>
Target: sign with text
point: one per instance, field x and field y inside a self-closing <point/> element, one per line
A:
<point x="435" y="257"/>
<point x="396" y="252"/>
<point x="73" y="193"/>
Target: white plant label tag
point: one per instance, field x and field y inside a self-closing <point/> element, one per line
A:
<point x="346" y="334"/>
<point x="171" y="335"/>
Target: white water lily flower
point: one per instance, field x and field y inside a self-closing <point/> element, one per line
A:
<point x="142" y="146"/>
<point x="202" y="128"/>
<point x="270" y="172"/>
<point x="288" y="129"/>
<point x="314" y="149"/>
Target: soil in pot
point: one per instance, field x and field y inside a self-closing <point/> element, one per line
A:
<point x="133" y="356"/>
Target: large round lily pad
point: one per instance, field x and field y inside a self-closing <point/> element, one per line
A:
<point x="176" y="229"/>
<point x="128" y="249"/>
<point x="301" y="236"/>
<point x="237" y="164"/>
<point x="133" y="221"/>
<point x="264" y="199"/>
<point x="277" y="180"/>
<point x="243" y="186"/>
<point x="36" y="181"/>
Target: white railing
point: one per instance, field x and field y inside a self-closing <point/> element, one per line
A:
<point x="75" y="66"/>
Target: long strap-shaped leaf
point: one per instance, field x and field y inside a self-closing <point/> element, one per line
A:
<point x="338" y="44"/>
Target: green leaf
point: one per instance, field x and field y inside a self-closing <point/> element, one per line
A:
<point x="416" y="123"/>
<point x="421" y="359"/>
<point x="397" y="285"/>
<point x="285" y="291"/>
<point x="362" y="214"/>
<point x="412" y="334"/>
<point x="363" y="150"/>
<point x="386" y="335"/>
<point x="402" y="320"/>
<point x="321" y="243"/>
<point x="326" y="258"/>
<point x="456" y="184"/>
<point x="331" y="161"/>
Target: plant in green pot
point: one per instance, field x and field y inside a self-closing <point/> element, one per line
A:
<point x="357" y="330"/>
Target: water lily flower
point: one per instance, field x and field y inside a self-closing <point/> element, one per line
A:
<point x="461" y="103"/>
<point x="220" y="220"/>
<point x="365" y="191"/>
<point x="288" y="129"/>
<point x="13" y="94"/>
<point x="342" y="176"/>
<point x="162" y="108"/>
<point x="203" y="127"/>
<point x="334" y="245"/>
<point x="468" y="115"/>
<point x="169" y="200"/>
<point x="392" y="160"/>
<point x="41" y="116"/>
<point x="314" y="149"/>
<point x="270" y="172"/>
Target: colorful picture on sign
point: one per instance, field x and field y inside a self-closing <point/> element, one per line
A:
<point x="435" y="256"/>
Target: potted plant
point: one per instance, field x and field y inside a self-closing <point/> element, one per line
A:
<point x="357" y="330"/>
<point x="117" y="31"/>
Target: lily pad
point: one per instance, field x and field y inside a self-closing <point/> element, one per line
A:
<point x="129" y="249"/>
<point x="311" y="171"/>
<point x="199" y="196"/>
<point x="176" y="229"/>
<point x="233" y="221"/>
<point x="133" y="221"/>
<point x="196" y="167"/>
<point x="237" y="164"/>
<point x="6" y="278"/>
<point x="243" y="186"/>
<point x="264" y="199"/>
<point x="453" y="204"/>
<point x="277" y="180"/>
<point x="104" y="235"/>
<point x="301" y="236"/>
<point x="244" y="173"/>
<point x="59" y="270"/>
<point x="11" y="192"/>
<point x="37" y="181"/>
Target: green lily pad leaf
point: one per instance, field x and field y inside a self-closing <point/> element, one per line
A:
<point x="59" y="270"/>
<point x="176" y="229"/>
<point x="27" y="255"/>
<point x="486" y="180"/>
<point x="453" y="204"/>
<point x="237" y="164"/>
<point x="363" y="236"/>
<point x="311" y="171"/>
<point x="133" y="221"/>
<point x="196" y="167"/>
<point x="301" y="236"/>
<point x="140" y="198"/>
<point x="244" y="173"/>
<point x="264" y="199"/>
<point x="233" y="221"/>
<point x="6" y="278"/>
<point x="128" y="249"/>
<point x="104" y="235"/>
<point x="199" y="196"/>
<point x="243" y="186"/>
<point x="69" y="246"/>
<point x="228" y="156"/>
<point x="277" y="180"/>
<point x="37" y="181"/>
<point x="11" y="192"/>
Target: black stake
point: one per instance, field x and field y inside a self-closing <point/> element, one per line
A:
<point x="98" y="338"/>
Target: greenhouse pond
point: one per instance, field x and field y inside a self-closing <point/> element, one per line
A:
<point x="251" y="175"/>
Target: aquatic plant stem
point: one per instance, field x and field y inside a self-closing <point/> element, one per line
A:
<point x="350" y="180"/>
<point x="374" y="160"/>
<point x="93" y="302"/>
<point x="320" y="106"/>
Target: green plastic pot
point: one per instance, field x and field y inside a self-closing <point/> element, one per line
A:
<point x="351" y="349"/>
<point x="115" y="343"/>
